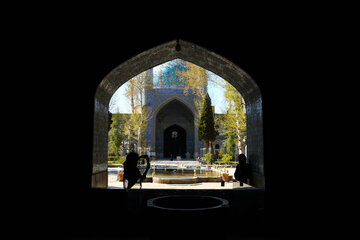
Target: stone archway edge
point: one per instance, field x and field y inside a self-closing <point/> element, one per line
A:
<point x="201" y="57"/>
<point x="189" y="52"/>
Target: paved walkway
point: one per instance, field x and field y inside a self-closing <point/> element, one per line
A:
<point x="113" y="184"/>
<point x="185" y="163"/>
<point x="205" y="185"/>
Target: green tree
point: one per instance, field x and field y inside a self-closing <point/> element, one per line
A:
<point x="136" y="122"/>
<point x="234" y="121"/>
<point x="196" y="84"/>
<point x="207" y="131"/>
<point x="230" y="145"/>
<point x="116" y="135"/>
<point x="139" y="122"/>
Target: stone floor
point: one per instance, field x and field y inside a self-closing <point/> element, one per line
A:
<point x="207" y="185"/>
<point x="113" y="184"/>
<point x="184" y="162"/>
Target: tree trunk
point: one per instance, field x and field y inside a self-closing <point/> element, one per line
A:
<point x="240" y="146"/>
<point x="140" y="142"/>
<point x="211" y="147"/>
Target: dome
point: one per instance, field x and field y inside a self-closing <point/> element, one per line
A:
<point x="168" y="75"/>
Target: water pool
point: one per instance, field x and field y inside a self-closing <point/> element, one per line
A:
<point x="179" y="174"/>
<point x="182" y="173"/>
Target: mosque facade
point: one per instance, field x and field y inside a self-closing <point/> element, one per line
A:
<point x="171" y="128"/>
<point x="171" y="125"/>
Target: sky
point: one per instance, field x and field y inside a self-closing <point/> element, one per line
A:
<point x="216" y="93"/>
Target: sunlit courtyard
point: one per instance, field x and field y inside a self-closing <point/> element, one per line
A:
<point x="189" y="174"/>
<point x="191" y="122"/>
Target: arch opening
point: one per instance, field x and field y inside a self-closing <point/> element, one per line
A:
<point x="174" y="130"/>
<point x="201" y="57"/>
<point x="174" y="142"/>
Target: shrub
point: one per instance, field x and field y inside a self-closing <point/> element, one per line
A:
<point x="116" y="160"/>
<point x="221" y="153"/>
<point x="226" y="158"/>
<point x="208" y="158"/>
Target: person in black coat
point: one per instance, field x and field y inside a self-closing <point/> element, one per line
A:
<point x="131" y="172"/>
<point x="243" y="171"/>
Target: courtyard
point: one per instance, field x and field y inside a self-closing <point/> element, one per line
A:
<point x="171" y="112"/>
<point x="113" y="183"/>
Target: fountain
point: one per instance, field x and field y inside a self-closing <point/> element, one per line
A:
<point x="178" y="172"/>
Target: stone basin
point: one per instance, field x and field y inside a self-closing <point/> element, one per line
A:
<point x="187" y="203"/>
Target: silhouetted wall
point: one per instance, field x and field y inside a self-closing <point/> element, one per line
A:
<point x="202" y="57"/>
<point x="77" y="59"/>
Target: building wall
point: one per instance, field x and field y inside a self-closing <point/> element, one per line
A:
<point x="164" y="115"/>
<point x="157" y="100"/>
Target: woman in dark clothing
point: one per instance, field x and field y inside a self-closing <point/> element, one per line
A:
<point x="242" y="172"/>
<point x="131" y="172"/>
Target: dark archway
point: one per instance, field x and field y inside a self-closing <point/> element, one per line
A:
<point x="174" y="142"/>
<point x="174" y="111"/>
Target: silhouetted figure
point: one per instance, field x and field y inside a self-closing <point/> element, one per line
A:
<point x="243" y="170"/>
<point x="131" y="172"/>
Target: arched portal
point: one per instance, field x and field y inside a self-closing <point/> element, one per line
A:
<point x="174" y="113"/>
<point x="196" y="55"/>
<point x="174" y="142"/>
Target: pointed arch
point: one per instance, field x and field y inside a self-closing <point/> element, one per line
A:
<point x="174" y="98"/>
<point x="201" y="57"/>
<point x="173" y="111"/>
